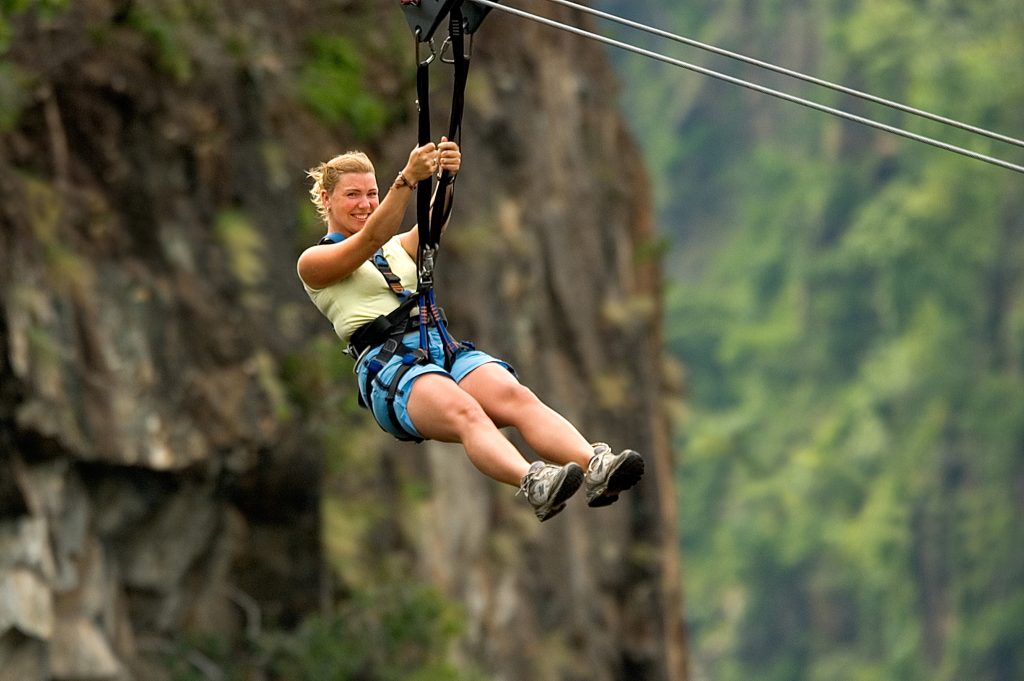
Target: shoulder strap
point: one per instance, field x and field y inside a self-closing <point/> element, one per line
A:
<point x="331" y="238"/>
<point x="394" y="283"/>
<point x="379" y="261"/>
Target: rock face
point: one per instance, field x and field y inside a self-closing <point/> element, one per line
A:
<point x="162" y="459"/>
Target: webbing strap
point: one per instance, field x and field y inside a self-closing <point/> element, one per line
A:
<point x="394" y="283"/>
<point x="379" y="261"/>
<point x="410" y="358"/>
<point x="443" y="208"/>
<point x="431" y="225"/>
<point x="425" y="187"/>
<point x="390" y="401"/>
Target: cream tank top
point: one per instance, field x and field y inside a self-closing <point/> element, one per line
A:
<point x="364" y="295"/>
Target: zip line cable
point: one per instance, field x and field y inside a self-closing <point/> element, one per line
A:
<point x="755" y="87"/>
<point x="792" y="74"/>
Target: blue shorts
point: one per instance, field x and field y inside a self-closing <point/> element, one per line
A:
<point x="466" y="360"/>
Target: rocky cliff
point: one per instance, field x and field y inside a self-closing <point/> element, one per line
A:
<point x="180" y="452"/>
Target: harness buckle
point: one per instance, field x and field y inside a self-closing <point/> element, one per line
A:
<point x="426" y="271"/>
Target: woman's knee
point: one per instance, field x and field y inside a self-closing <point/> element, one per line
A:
<point x="519" y="397"/>
<point x="466" y="412"/>
<point x="466" y="418"/>
<point x="442" y="410"/>
<point x="511" y="402"/>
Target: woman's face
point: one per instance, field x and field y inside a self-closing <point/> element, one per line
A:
<point x="352" y="202"/>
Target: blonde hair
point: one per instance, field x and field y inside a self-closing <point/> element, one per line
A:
<point x="325" y="176"/>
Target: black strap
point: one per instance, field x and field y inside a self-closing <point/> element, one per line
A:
<point x="430" y="225"/>
<point x="442" y="207"/>
<point x="425" y="188"/>
<point x="390" y="401"/>
<point x="397" y="322"/>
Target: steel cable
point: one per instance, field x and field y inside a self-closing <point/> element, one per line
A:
<point x="755" y="87"/>
<point x="792" y="74"/>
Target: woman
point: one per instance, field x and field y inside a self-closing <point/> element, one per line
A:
<point x="479" y="394"/>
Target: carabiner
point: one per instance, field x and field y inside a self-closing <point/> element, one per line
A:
<point x="433" y="52"/>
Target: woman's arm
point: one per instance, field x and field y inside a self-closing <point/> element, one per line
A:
<point x="321" y="266"/>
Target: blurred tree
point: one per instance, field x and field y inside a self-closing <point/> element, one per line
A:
<point x="850" y="308"/>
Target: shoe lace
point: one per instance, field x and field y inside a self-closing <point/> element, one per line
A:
<point x="527" y="481"/>
<point x="601" y="454"/>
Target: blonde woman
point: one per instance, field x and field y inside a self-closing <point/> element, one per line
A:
<point x="416" y="394"/>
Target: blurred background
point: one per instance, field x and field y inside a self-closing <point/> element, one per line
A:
<point x="849" y="307"/>
<point x="812" y="330"/>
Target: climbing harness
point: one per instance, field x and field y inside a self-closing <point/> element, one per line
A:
<point x="389" y="331"/>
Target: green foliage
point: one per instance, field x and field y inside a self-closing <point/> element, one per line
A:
<point x="14" y="96"/>
<point x="243" y="245"/>
<point x="167" y="28"/>
<point x="15" y="83"/>
<point x="395" y="632"/>
<point x="317" y="375"/>
<point x="9" y="9"/>
<point x="46" y="8"/>
<point x="333" y="84"/>
<point x="398" y="632"/>
<point x="851" y="321"/>
<point x="66" y="269"/>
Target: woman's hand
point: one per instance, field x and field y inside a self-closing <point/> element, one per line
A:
<point x="422" y="163"/>
<point x="449" y="156"/>
<point x="432" y="158"/>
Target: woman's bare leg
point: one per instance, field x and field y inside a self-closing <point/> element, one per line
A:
<point x="509" y="403"/>
<point x="441" y="410"/>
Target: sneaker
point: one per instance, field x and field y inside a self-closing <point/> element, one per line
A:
<point x="548" y="487"/>
<point x="609" y="473"/>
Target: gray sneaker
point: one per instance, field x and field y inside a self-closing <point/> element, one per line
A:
<point x="547" y="487"/>
<point x="609" y="473"/>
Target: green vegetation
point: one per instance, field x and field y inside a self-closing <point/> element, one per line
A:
<point x="384" y="626"/>
<point x="13" y="94"/>
<point x="396" y="632"/>
<point x="243" y="246"/>
<point x="333" y="85"/>
<point x="9" y="9"/>
<point x="850" y="310"/>
<point x="15" y="84"/>
<point x="171" y="32"/>
<point x="45" y="8"/>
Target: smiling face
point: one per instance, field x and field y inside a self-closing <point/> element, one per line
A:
<point x="351" y="203"/>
